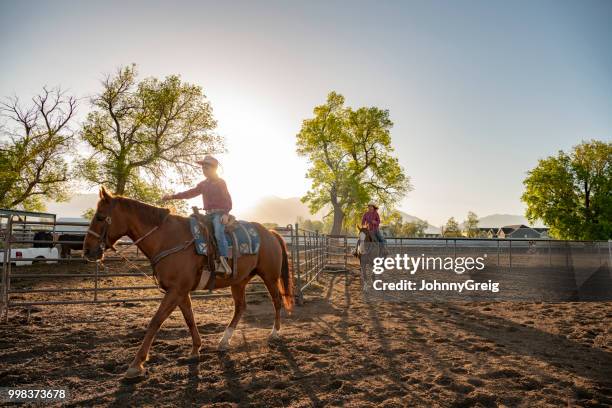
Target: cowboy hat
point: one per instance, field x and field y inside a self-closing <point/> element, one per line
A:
<point x="208" y="159"/>
<point x="373" y="204"/>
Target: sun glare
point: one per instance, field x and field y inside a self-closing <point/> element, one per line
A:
<point x="260" y="160"/>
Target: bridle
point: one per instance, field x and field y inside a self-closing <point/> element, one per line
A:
<point x="102" y="236"/>
<point x="107" y="222"/>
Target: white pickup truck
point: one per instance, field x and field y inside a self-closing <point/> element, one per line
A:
<point x="44" y="254"/>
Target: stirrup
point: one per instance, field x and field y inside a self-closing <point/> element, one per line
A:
<point x="223" y="267"/>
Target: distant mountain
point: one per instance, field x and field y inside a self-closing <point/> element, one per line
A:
<point x="489" y="221"/>
<point x="281" y="211"/>
<point x="409" y="218"/>
<point x="430" y="230"/>
<point x="287" y="210"/>
<point x="500" y="220"/>
<point x="269" y="209"/>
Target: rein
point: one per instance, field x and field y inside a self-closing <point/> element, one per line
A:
<point x="152" y="230"/>
<point x="102" y="245"/>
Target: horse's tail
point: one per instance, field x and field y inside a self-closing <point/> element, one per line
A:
<point x="285" y="281"/>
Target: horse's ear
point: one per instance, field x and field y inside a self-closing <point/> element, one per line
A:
<point x="105" y="195"/>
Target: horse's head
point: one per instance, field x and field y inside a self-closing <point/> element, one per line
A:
<point x="364" y="236"/>
<point x="105" y="229"/>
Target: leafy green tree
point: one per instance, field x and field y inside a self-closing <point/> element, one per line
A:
<point x="471" y="225"/>
<point x="88" y="214"/>
<point x="451" y="229"/>
<point x="144" y="134"/>
<point x="33" y="166"/>
<point x="350" y="161"/>
<point x="395" y="226"/>
<point x="392" y="223"/>
<point x="311" y="225"/>
<point x="572" y="193"/>
<point x="414" y="228"/>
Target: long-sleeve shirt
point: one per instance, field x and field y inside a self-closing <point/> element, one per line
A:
<point x="371" y="219"/>
<point x="214" y="194"/>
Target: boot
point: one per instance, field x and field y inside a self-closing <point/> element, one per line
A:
<point x="223" y="267"/>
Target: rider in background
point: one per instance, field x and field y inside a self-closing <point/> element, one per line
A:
<point x="371" y="220"/>
<point x="217" y="202"/>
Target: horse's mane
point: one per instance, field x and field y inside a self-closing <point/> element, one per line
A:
<point x="149" y="214"/>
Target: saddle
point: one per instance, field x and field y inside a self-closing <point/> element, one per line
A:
<point x="206" y="243"/>
<point x="242" y="238"/>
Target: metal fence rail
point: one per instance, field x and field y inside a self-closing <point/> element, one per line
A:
<point x="516" y="253"/>
<point x="308" y="256"/>
<point x="337" y="253"/>
<point x="74" y="281"/>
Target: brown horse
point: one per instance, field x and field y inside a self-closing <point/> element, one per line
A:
<point x="164" y="238"/>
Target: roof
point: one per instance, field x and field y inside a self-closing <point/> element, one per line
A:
<point x="72" y="219"/>
<point x="6" y="212"/>
<point x="510" y="229"/>
<point x="516" y="226"/>
<point x="506" y="230"/>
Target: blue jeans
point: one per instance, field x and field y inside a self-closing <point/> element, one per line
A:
<point x="220" y="234"/>
<point x="379" y="237"/>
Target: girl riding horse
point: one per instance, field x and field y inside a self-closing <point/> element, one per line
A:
<point x="167" y="241"/>
<point x="217" y="202"/>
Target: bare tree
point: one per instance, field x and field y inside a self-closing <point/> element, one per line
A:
<point x="33" y="147"/>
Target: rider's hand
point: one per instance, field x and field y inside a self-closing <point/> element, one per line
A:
<point x="224" y="219"/>
<point x="167" y="197"/>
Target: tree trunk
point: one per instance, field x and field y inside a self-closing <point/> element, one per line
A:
<point x="338" y="220"/>
<point x="587" y="202"/>
<point x="120" y="188"/>
<point x="122" y="173"/>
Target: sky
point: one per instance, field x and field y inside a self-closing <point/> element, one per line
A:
<point x="478" y="90"/>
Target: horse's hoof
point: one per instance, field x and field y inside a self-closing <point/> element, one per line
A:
<point x="274" y="335"/>
<point x="134" y="372"/>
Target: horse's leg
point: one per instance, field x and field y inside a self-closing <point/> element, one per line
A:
<point x="167" y="305"/>
<point x="185" y="305"/>
<point x="272" y="286"/>
<point x="239" y="295"/>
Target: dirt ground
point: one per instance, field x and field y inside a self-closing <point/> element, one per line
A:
<point x="338" y="349"/>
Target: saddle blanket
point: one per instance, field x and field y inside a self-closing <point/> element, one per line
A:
<point x="245" y="233"/>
